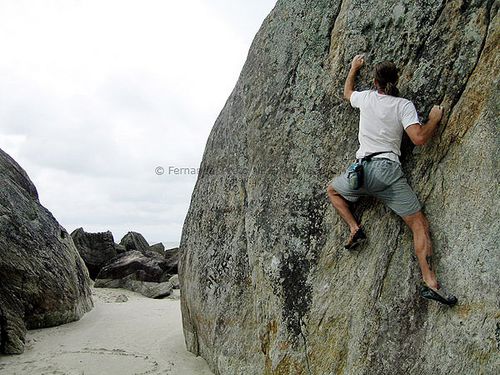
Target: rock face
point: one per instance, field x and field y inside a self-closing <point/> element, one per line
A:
<point x="43" y="280"/>
<point x="266" y="287"/>
<point x="140" y="266"/>
<point x="96" y="249"/>
<point x="135" y="241"/>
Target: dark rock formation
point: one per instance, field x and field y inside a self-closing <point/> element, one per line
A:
<point x="172" y="257"/>
<point x="96" y="249"/>
<point x="43" y="280"/>
<point x="135" y="241"/>
<point x="120" y="249"/>
<point x="148" y="289"/>
<point x="135" y="263"/>
<point x="266" y="286"/>
<point x="158" y="248"/>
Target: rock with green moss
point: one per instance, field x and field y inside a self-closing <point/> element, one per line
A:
<point x="266" y="286"/>
<point x="43" y="279"/>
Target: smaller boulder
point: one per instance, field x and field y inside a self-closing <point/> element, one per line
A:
<point x="134" y="241"/>
<point x="121" y="298"/>
<point x="158" y="248"/>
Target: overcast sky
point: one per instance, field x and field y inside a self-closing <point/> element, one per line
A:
<point x="94" y="95"/>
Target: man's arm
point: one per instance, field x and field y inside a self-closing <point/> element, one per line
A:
<point x="420" y="134"/>
<point x="356" y="64"/>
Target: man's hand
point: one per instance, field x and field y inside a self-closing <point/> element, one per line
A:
<point x="436" y="114"/>
<point x="357" y="62"/>
<point x="420" y="134"/>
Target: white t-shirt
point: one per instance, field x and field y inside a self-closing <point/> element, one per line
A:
<point x="382" y="121"/>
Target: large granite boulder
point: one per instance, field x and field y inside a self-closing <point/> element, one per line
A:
<point x="43" y="280"/>
<point x="141" y="267"/>
<point x="96" y="249"/>
<point x="135" y="241"/>
<point x="266" y="286"/>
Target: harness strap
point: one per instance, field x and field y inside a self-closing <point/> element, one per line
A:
<point x="369" y="157"/>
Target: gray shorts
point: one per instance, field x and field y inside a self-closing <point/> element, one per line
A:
<point x="385" y="180"/>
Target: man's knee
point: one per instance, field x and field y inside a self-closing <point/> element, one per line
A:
<point x="334" y="195"/>
<point x="332" y="192"/>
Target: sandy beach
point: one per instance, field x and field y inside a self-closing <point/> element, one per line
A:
<point x="139" y="336"/>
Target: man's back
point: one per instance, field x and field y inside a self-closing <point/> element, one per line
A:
<point x="382" y="121"/>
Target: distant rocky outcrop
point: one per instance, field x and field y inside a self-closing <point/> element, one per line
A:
<point x="148" y="289"/>
<point x="43" y="280"/>
<point x="135" y="263"/>
<point x="133" y="270"/>
<point x="266" y="286"/>
<point x="96" y="249"/>
<point x="135" y="241"/>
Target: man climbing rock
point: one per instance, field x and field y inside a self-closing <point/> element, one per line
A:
<point x="383" y="118"/>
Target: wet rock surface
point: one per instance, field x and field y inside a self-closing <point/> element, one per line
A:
<point x="43" y="279"/>
<point x="266" y="286"/>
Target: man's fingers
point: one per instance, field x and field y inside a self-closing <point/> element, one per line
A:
<point x="359" y="59"/>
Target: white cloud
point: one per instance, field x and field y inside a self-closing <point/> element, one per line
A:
<point x="95" y="94"/>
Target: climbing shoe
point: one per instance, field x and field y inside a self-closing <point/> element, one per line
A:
<point x="356" y="239"/>
<point x="439" y="295"/>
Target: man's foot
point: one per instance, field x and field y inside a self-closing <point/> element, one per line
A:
<point x="438" y="294"/>
<point x="355" y="239"/>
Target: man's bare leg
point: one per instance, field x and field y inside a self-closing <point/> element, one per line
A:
<point x="342" y="207"/>
<point x="423" y="248"/>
